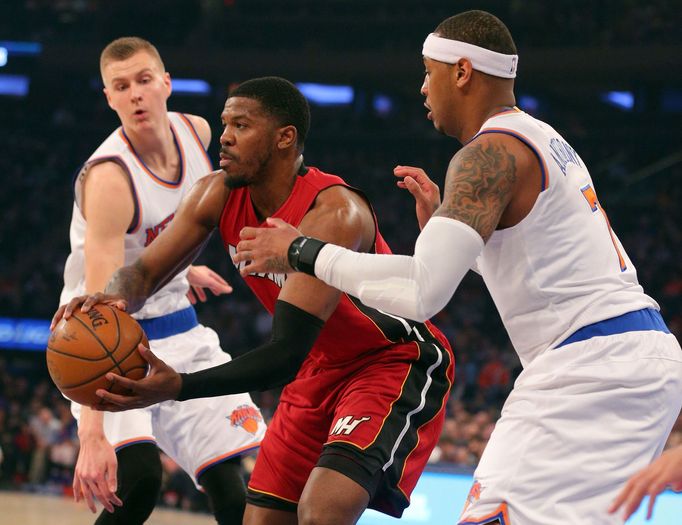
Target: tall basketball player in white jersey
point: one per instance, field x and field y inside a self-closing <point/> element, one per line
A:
<point x="126" y="193"/>
<point x="602" y="379"/>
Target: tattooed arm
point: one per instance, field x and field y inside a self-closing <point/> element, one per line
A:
<point x="493" y="181"/>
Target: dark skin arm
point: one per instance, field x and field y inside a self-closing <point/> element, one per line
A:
<point x="491" y="183"/>
<point x="340" y="216"/>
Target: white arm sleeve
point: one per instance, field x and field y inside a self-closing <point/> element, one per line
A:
<point x="416" y="287"/>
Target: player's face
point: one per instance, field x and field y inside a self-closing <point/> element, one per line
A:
<point x="439" y="89"/>
<point x="247" y="141"/>
<point x="137" y="89"/>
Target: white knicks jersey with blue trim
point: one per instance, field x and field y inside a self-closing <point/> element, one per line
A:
<point x="156" y="201"/>
<point x="562" y="267"/>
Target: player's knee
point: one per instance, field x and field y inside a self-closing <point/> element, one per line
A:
<point x="311" y="514"/>
<point x="225" y="488"/>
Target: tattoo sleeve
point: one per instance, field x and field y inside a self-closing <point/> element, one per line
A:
<point x="130" y="283"/>
<point x="478" y="186"/>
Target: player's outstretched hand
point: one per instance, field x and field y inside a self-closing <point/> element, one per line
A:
<point x="95" y="474"/>
<point x="651" y="481"/>
<point x="200" y="277"/>
<point x="161" y="384"/>
<point x="426" y="193"/>
<point x="264" y="250"/>
<point x="86" y="302"/>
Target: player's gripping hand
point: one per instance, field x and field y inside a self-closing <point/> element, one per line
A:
<point x="85" y="302"/>
<point x="95" y="473"/>
<point x="651" y="481"/>
<point x="200" y="277"/>
<point x="426" y="193"/>
<point x="162" y="383"/>
<point x="264" y="250"/>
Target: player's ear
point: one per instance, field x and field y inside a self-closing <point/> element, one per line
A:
<point x="287" y="137"/>
<point x="106" y="94"/>
<point x="462" y="71"/>
<point x="167" y="82"/>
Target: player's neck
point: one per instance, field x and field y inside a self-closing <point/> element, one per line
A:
<point x="269" y="195"/>
<point x="156" y="147"/>
<point x="480" y="113"/>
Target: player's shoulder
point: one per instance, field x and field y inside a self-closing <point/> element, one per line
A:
<point x="201" y="127"/>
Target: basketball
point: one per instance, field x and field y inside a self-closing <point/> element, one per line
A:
<point x="84" y="348"/>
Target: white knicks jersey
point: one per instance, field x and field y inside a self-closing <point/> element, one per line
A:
<point x="155" y="203"/>
<point x="562" y="267"/>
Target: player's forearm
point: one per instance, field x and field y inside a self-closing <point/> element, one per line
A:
<point x="414" y="287"/>
<point x="133" y="283"/>
<point x="273" y="364"/>
<point x="90" y="424"/>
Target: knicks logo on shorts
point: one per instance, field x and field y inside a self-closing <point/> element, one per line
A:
<point x="247" y="417"/>
<point x="346" y="425"/>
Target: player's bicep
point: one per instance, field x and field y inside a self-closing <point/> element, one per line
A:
<point x="480" y="182"/>
<point x="108" y="207"/>
<point x="340" y="218"/>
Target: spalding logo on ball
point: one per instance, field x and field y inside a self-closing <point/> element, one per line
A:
<point x="82" y="350"/>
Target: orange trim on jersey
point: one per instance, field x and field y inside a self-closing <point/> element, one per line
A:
<point x="295" y="502"/>
<point x="527" y="142"/>
<point x="133" y="440"/>
<point x="507" y="112"/>
<point x="198" y="140"/>
<point x="227" y="455"/>
<point x="500" y="513"/>
<point x="156" y="178"/>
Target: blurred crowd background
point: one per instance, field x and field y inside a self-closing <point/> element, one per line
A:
<point x="607" y="75"/>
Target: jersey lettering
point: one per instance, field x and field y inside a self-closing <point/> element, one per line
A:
<point x="153" y="233"/>
<point x="563" y="154"/>
<point x="346" y="425"/>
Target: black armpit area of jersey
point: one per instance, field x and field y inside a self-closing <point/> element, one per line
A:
<point x="273" y="364"/>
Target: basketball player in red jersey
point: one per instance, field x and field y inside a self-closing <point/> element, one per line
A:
<point x="365" y="395"/>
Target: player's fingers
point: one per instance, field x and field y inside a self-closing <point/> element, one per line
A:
<point x="274" y="222"/>
<point x="622" y="496"/>
<point x="91" y="301"/>
<point x="655" y="489"/>
<point x="248" y="232"/>
<point x="57" y="316"/>
<point x="245" y="245"/>
<point x="200" y="294"/>
<point x="73" y="305"/>
<point x="87" y="496"/>
<point x="101" y="492"/>
<point x="114" y="402"/>
<point x="77" y="494"/>
<point x="120" y="381"/>
<point x="148" y="356"/>
<point x="635" y="497"/>
<point x="190" y="296"/>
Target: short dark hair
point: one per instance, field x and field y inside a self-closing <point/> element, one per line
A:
<point x="280" y="98"/>
<point x="479" y="28"/>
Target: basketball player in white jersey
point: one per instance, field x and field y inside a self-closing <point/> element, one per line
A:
<point x="126" y="194"/>
<point x="602" y="379"/>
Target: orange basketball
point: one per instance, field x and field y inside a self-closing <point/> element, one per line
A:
<point x="82" y="350"/>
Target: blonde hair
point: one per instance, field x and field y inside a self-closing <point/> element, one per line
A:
<point x="125" y="47"/>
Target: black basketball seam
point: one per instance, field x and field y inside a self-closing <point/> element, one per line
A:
<point x="116" y="365"/>
<point x="106" y="350"/>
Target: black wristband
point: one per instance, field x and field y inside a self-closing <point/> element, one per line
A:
<point x="303" y="252"/>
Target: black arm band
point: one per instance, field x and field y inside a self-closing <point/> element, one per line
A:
<point x="302" y="254"/>
<point x="274" y="364"/>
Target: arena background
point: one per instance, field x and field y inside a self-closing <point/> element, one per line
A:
<point x="607" y="75"/>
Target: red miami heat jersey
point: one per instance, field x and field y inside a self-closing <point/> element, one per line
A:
<point x="353" y="329"/>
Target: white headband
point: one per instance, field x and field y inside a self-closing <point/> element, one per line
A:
<point x="484" y="60"/>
